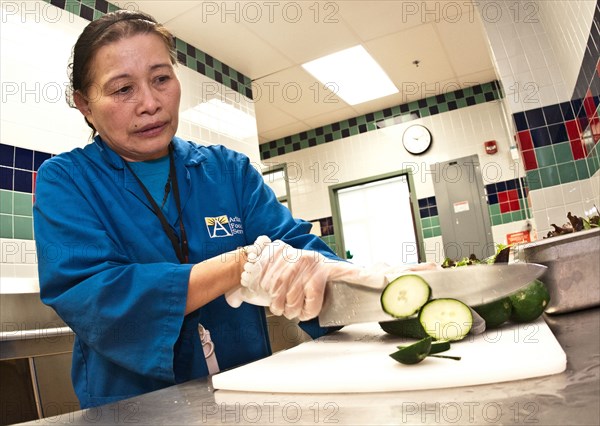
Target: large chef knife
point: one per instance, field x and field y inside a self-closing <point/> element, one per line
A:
<point x="474" y="285"/>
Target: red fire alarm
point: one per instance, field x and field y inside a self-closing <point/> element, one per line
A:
<point x="490" y="147"/>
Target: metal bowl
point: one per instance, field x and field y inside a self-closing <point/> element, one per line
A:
<point x="573" y="274"/>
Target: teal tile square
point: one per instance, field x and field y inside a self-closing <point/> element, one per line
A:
<point x="582" y="169"/>
<point x="428" y="233"/>
<point x="495" y="209"/>
<point x="435" y="221"/>
<point x="534" y="181"/>
<point x="567" y="172"/>
<point x="443" y="107"/>
<point x="6" y="226"/>
<point x="480" y="98"/>
<point x="23" y="204"/>
<point x="180" y="45"/>
<point x="520" y="215"/>
<point x="6" y="202"/>
<point x="549" y="176"/>
<point x="426" y="223"/>
<point x="506" y="217"/>
<point x="545" y="156"/>
<point x="73" y="6"/>
<point x="23" y="227"/>
<point x="437" y="231"/>
<point x="562" y="152"/>
<point x="496" y="219"/>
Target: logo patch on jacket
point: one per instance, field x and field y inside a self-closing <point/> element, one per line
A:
<point x="223" y="226"/>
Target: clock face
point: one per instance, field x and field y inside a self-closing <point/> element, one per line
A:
<point x="416" y="139"/>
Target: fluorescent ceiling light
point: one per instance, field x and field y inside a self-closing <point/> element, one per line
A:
<point x="222" y="117"/>
<point x="354" y="75"/>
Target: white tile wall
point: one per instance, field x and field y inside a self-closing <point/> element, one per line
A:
<point x="36" y="40"/>
<point x="551" y="205"/>
<point x="537" y="47"/>
<point x="456" y="134"/>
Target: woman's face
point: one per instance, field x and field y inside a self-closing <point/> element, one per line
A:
<point x="133" y="100"/>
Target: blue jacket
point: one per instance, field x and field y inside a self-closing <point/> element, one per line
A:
<point x="108" y="269"/>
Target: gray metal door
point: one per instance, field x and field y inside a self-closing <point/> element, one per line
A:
<point x="462" y="208"/>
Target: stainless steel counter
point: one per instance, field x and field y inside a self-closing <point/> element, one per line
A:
<point x="569" y="398"/>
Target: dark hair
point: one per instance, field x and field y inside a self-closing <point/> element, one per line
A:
<point x="108" y="29"/>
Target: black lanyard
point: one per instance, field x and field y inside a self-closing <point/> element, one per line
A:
<point x="180" y="246"/>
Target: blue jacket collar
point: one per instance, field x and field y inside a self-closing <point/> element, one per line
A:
<point x="186" y="152"/>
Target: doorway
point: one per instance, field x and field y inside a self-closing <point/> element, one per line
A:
<point x="375" y="220"/>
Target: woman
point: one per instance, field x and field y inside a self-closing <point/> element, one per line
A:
<point x="138" y="232"/>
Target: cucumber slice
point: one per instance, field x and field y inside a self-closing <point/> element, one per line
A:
<point x="436" y="347"/>
<point x="446" y="319"/>
<point x="405" y="295"/>
<point x="407" y="327"/>
<point x="415" y="353"/>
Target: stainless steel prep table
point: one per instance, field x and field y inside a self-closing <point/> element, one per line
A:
<point x="572" y="397"/>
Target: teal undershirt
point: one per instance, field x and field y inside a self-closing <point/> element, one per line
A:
<point x="154" y="175"/>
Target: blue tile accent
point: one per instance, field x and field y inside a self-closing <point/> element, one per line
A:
<point x="23" y="181"/>
<point x="540" y="137"/>
<point x="558" y="133"/>
<point x="567" y="111"/>
<point x="23" y="159"/>
<point x="535" y="118"/>
<point x="520" y="121"/>
<point x="553" y="114"/>
<point x="7" y="155"/>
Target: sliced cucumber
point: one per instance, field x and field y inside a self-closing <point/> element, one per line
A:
<point x="407" y="327"/>
<point x="446" y="319"/>
<point x="436" y="347"/>
<point x="418" y="351"/>
<point x="405" y="295"/>
<point x="415" y="353"/>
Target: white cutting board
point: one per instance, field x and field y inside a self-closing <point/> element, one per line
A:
<point x="355" y="359"/>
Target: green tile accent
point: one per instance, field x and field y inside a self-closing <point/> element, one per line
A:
<point x="534" y="181"/>
<point x="506" y="217"/>
<point x="496" y="220"/>
<point x="427" y="233"/>
<point x="520" y="215"/>
<point x="23" y="204"/>
<point x="567" y="172"/>
<point x="495" y="209"/>
<point x="562" y="152"/>
<point x="426" y="222"/>
<point x="437" y="231"/>
<point x="435" y="221"/>
<point x="545" y="156"/>
<point x="549" y="176"/>
<point x="6" y="201"/>
<point x="23" y="228"/>
<point x="390" y="116"/>
<point x="6" y="226"/>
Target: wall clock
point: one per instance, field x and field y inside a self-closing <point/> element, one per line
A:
<point x="416" y="139"/>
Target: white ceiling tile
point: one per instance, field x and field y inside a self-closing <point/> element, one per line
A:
<point x="267" y="41"/>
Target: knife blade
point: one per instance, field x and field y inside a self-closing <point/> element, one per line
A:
<point x="474" y="285"/>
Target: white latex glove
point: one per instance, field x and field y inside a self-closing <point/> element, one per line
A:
<point x="255" y="296"/>
<point x="295" y="279"/>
